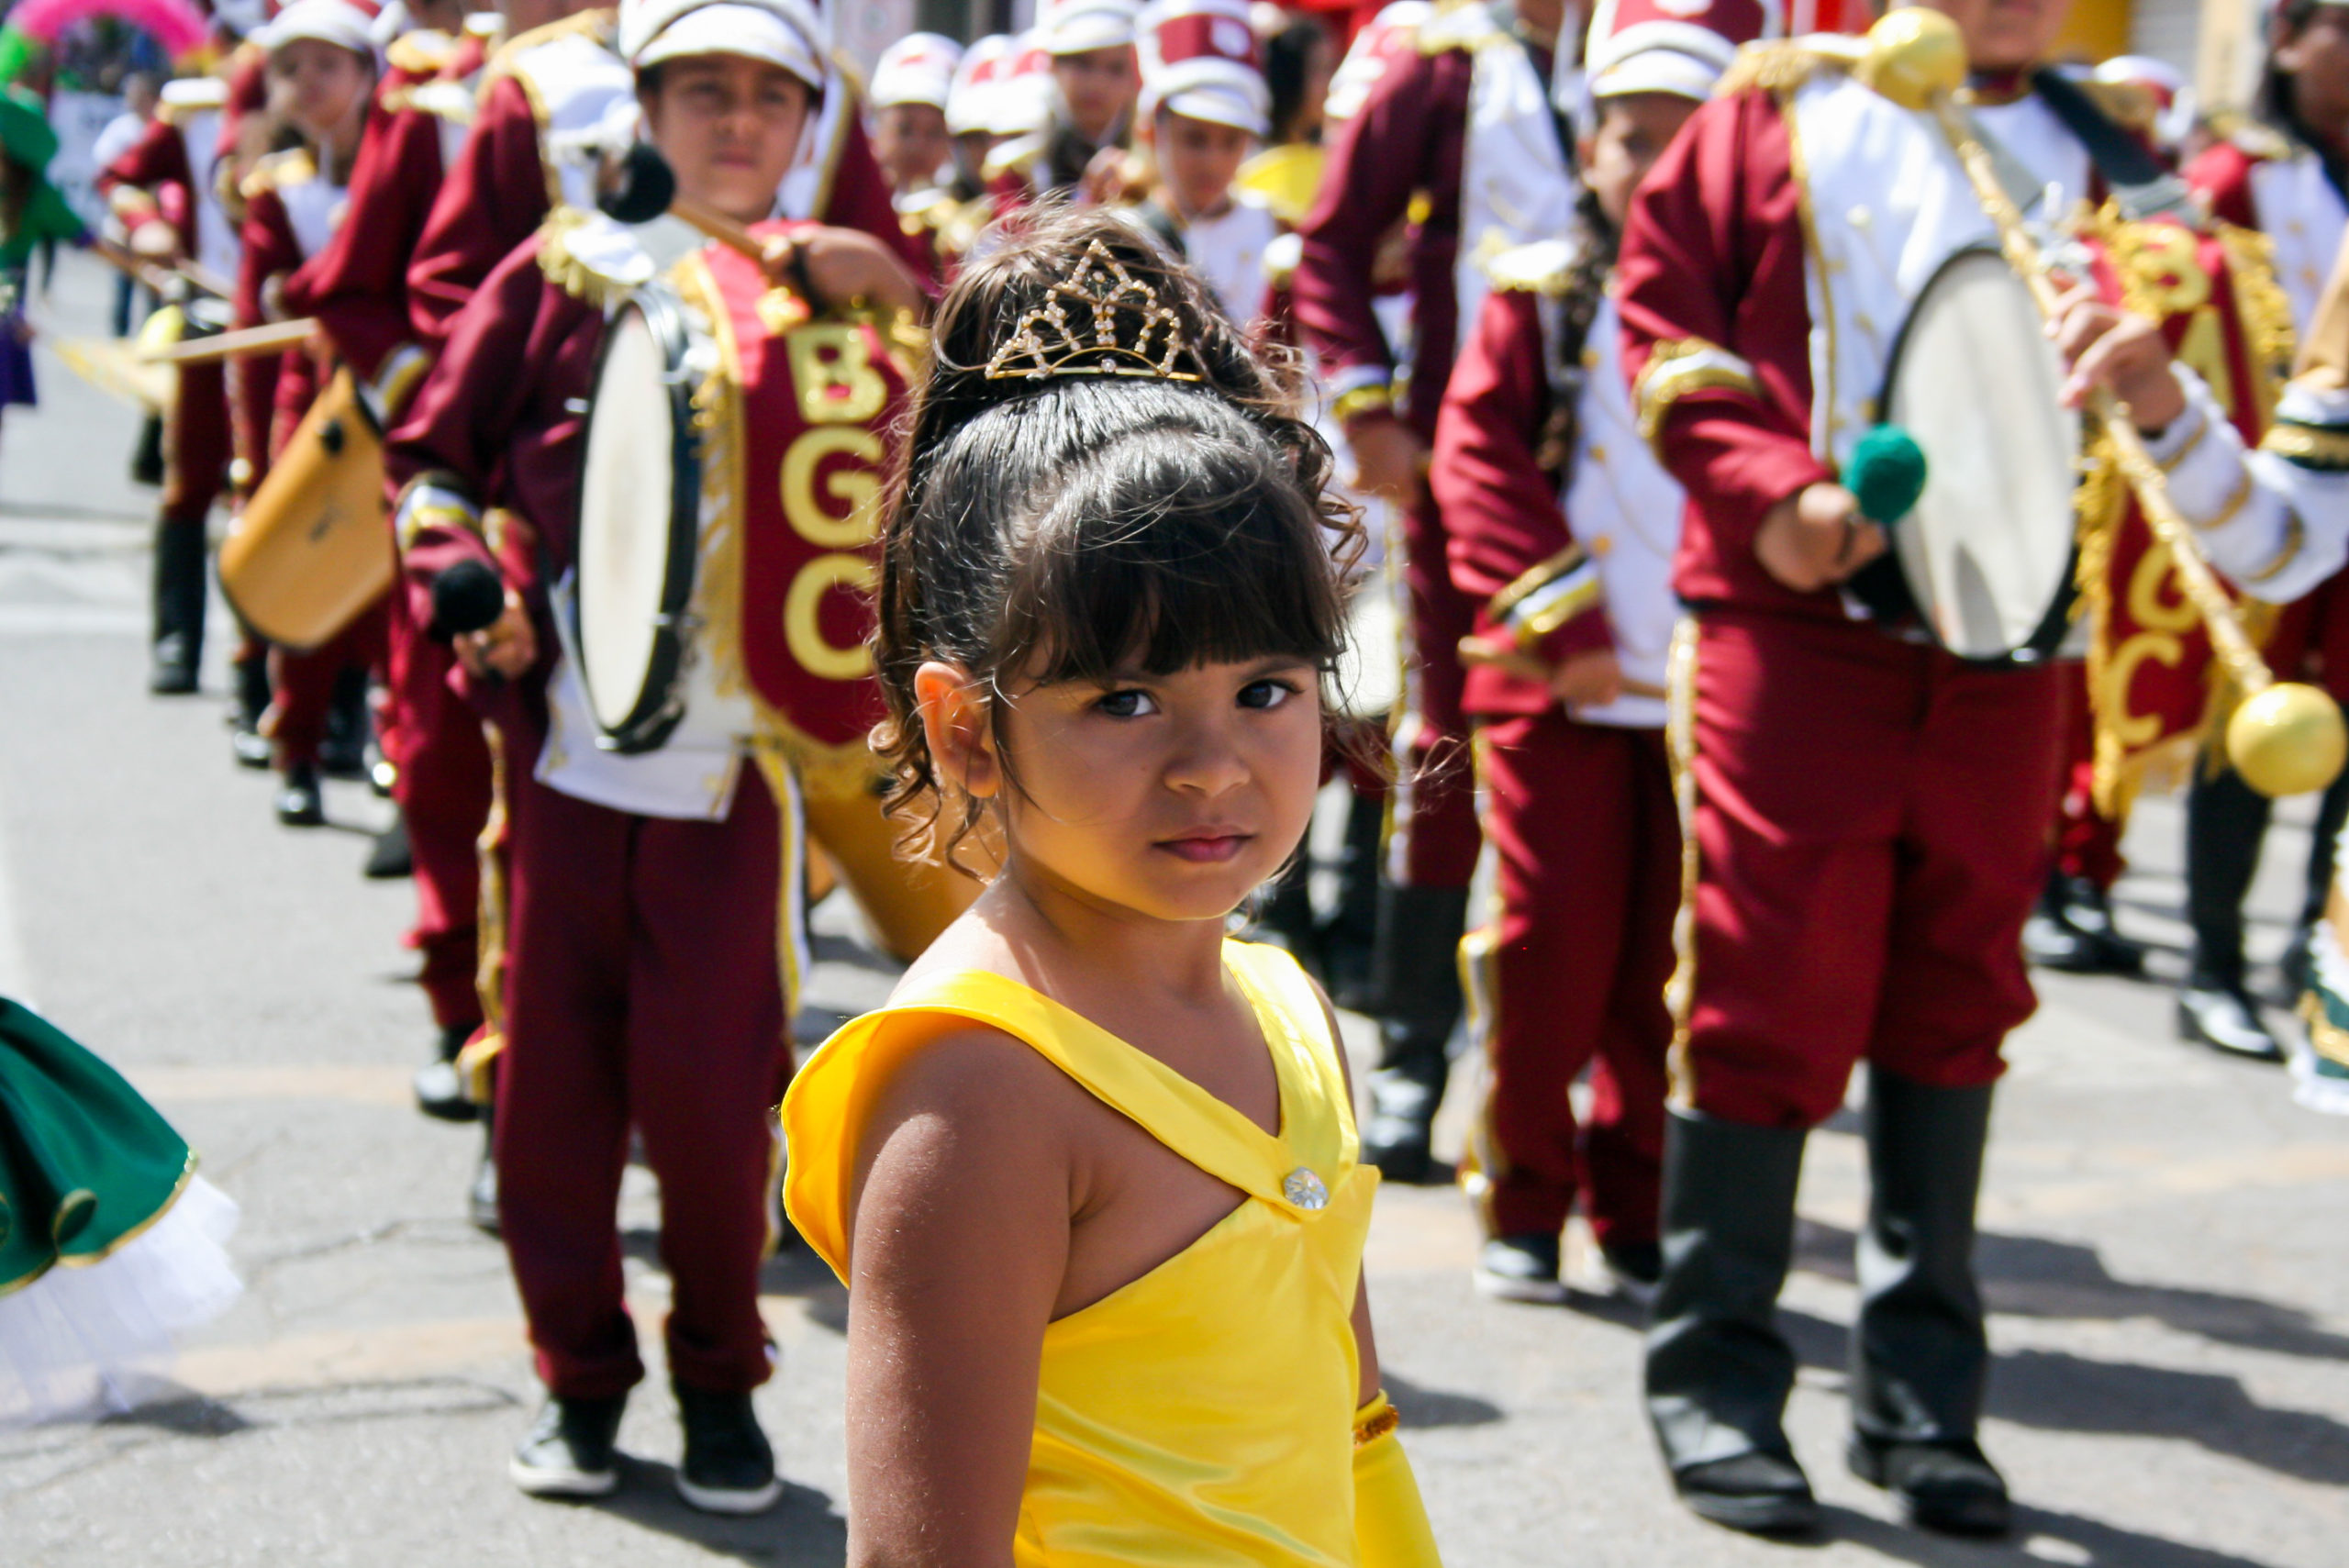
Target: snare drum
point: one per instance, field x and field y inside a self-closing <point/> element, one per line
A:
<point x="636" y="617"/>
<point x="314" y="548"/>
<point x="1988" y="555"/>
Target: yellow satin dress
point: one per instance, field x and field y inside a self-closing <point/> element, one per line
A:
<point x="1204" y="1413"/>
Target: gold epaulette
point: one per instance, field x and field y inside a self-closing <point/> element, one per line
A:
<point x="960" y="230"/>
<point x="191" y="95"/>
<point x="2258" y="139"/>
<point x="450" y="101"/>
<point x="276" y="171"/>
<point x="1783" y="65"/>
<point x="2128" y="104"/>
<point x="486" y="25"/>
<point x="591" y="258"/>
<point x="420" y="52"/>
<point x="599" y="23"/>
<point x="1544" y="266"/>
<point x="1016" y="156"/>
<point x="1459" y="25"/>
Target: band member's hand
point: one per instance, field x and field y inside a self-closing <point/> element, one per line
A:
<point x="842" y="264"/>
<point x="508" y="647"/>
<point x="1114" y="177"/>
<point x="1817" y="539"/>
<point x="1592" y="678"/>
<point x="2105" y="346"/>
<point x="1390" y="461"/>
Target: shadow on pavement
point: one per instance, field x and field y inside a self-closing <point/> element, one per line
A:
<point x="804" y="1529"/>
<point x="2091" y="1541"/>
<point x="2031" y="1276"/>
<point x="1434" y="1407"/>
<point x="2058" y="1392"/>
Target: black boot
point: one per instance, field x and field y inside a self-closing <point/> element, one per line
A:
<point x="2225" y="819"/>
<point x="342" y="752"/>
<point x="1416" y="973"/>
<point x="2072" y="930"/>
<point x="1285" y="913"/>
<point x="245" y="738"/>
<point x="301" y="801"/>
<point x="179" y="593"/>
<point x="440" y="1086"/>
<point x="1350" y="937"/>
<point x="389" y="857"/>
<point x="2297" y="967"/>
<point x="1919" y="1355"/>
<point x="1718" y="1371"/>
<point x="147" y="454"/>
<point x="481" y="1198"/>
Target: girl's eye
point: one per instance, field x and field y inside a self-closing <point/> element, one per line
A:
<point x="1267" y="693"/>
<point x="1128" y="705"/>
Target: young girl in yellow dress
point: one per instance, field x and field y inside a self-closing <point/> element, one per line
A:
<point x="1091" y="1177"/>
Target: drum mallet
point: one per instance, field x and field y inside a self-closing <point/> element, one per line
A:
<point x="2286" y="738"/>
<point x="640" y="187"/>
<point x="273" y="338"/>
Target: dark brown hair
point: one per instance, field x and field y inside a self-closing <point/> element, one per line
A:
<point x="1059" y="528"/>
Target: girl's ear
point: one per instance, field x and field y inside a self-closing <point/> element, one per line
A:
<point x="954" y="712"/>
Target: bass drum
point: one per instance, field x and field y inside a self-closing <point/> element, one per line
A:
<point x="633" y="625"/>
<point x="1988" y="552"/>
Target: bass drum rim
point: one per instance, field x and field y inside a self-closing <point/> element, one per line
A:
<point x="2047" y="636"/>
<point x="656" y="711"/>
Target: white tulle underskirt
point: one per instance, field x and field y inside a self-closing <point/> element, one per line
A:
<point x="79" y="1342"/>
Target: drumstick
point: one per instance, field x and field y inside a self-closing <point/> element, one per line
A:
<point x="273" y="338"/>
<point x="160" y="275"/>
<point x="642" y="186"/>
<point x="1475" y="651"/>
<point x="2286" y="738"/>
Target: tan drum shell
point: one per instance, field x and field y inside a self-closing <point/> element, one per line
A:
<point x="314" y="548"/>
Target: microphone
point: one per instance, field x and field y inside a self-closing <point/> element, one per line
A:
<point x="639" y="186"/>
<point x="468" y="596"/>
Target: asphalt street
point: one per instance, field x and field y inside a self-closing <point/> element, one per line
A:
<point x="2165" y="1236"/>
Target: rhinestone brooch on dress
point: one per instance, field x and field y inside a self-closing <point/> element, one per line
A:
<point x="1303" y="1188"/>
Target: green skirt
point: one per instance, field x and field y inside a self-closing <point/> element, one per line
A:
<point x="86" y="1165"/>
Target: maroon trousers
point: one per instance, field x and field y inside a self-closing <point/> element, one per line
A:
<point x="302" y="683"/>
<point x="443" y="784"/>
<point x="1871" y="825"/>
<point x="1582" y="823"/>
<point x="196" y="447"/>
<point x="1433" y="837"/>
<point x="2087" y="842"/>
<point x="643" y="990"/>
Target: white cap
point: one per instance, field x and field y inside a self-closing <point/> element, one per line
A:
<point x="1680" y="47"/>
<point x="323" y="21"/>
<point x="917" y="69"/>
<point x="1022" y="102"/>
<point x="1199" y="61"/>
<point x="1076" y="26"/>
<point x="779" y="33"/>
<point x="978" y="75"/>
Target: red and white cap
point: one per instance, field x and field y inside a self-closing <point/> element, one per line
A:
<point x="1023" y="101"/>
<point x="1076" y="26"/>
<point x="335" y="22"/>
<point x="2175" y="107"/>
<point x="917" y="69"/>
<point x="785" y="33"/>
<point x="1680" y="47"/>
<point x="1200" y="60"/>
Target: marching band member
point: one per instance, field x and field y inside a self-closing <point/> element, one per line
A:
<point x="1866" y="815"/>
<point x="1497" y="178"/>
<point x="540" y="130"/>
<point x="321" y="68"/>
<point x="655" y="898"/>
<point x="1562" y="527"/>
<point x="971" y="98"/>
<point x="357" y="290"/>
<point x="1089" y="47"/>
<point x="912" y="139"/>
<point x="167" y="191"/>
<point x="1204" y="108"/>
<point x="2285" y="175"/>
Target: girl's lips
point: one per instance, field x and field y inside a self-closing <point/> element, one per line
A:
<point x="1206" y="848"/>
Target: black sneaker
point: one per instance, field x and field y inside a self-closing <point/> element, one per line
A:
<point x="1520" y="1268"/>
<point x="300" y="802"/>
<point x="389" y="858"/>
<point x="569" y="1450"/>
<point x="1763" y="1494"/>
<point x="1947" y="1486"/>
<point x="729" y="1467"/>
<point x="440" y="1085"/>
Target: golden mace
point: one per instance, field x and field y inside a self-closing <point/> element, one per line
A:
<point x="2286" y="738"/>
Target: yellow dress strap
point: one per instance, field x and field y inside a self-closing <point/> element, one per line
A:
<point x="1295" y="1173"/>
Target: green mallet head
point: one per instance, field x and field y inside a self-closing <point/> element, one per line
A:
<point x="1886" y="472"/>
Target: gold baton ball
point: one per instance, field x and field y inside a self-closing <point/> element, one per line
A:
<point x="2287" y="739"/>
<point x="1914" y="54"/>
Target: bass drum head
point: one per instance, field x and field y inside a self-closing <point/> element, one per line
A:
<point x="628" y="483"/>
<point x="1987" y="552"/>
